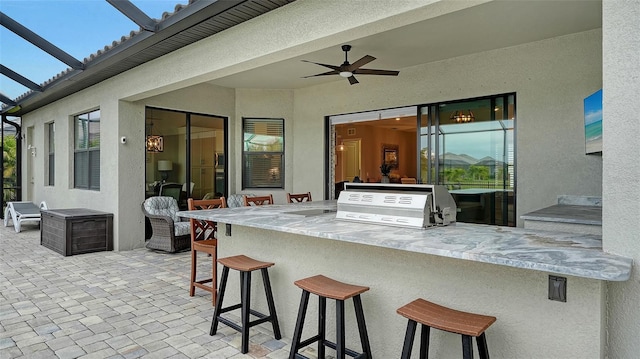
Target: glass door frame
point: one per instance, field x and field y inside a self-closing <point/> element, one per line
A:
<point x="188" y="145"/>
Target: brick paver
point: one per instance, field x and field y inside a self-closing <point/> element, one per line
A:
<point x="131" y="304"/>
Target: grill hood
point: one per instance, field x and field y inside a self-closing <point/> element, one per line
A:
<point x="402" y="205"/>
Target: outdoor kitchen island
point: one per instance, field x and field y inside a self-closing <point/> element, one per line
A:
<point x="498" y="271"/>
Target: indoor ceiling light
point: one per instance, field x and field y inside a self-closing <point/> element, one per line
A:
<point x="460" y="117"/>
<point x="346" y="74"/>
<point x="155" y="143"/>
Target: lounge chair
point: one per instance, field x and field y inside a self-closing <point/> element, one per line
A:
<point x="20" y="212"/>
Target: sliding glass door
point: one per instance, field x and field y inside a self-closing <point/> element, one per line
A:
<point x="186" y="155"/>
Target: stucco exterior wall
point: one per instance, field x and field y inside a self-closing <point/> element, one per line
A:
<point x="63" y="195"/>
<point x="621" y="188"/>
<point x="254" y="103"/>
<point x="550" y="78"/>
<point x="306" y="26"/>
<point x="550" y="136"/>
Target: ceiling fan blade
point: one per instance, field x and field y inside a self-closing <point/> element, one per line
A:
<point x="376" y="72"/>
<point x="352" y="80"/>
<point x="336" y="68"/>
<point x="363" y="61"/>
<point x="334" y="72"/>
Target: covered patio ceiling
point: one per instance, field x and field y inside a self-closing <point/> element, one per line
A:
<point x="487" y="26"/>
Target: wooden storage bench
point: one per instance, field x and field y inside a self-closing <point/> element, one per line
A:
<point x="76" y="230"/>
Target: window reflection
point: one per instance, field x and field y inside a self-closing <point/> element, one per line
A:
<point x="474" y="159"/>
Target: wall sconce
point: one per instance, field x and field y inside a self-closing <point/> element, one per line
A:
<point x="164" y="167"/>
<point x="460" y="117"/>
<point x="155" y="143"/>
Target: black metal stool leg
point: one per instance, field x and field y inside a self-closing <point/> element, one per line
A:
<point x="322" y="325"/>
<point x="483" y="351"/>
<point x="340" y="336"/>
<point x="467" y="348"/>
<point x="216" y="312"/>
<point x="408" y="339"/>
<point x="246" y="300"/>
<point x="424" y="341"/>
<point x="270" y="303"/>
<point x="362" y="327"/>
<point x="297" y="333"/>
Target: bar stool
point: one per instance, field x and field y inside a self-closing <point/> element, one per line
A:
<point x="432" y="315"/>
<point x="245" y="266"/>
<point x="325" y="288"/>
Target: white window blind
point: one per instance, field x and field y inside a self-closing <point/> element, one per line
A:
<point x="263" y="153"/>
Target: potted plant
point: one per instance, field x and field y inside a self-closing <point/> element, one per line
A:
<point x="385" y="168"/>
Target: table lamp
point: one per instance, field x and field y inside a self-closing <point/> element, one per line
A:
<point x="164" y="167"/>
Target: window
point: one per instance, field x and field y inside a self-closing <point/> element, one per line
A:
<point x="86" y="156"/>
<point x="468" y="146"/>
<point x="51" y="159"/>
<point x="263" y="153"/>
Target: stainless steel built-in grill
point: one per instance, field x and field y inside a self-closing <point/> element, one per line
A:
<point x="401" y="205"/>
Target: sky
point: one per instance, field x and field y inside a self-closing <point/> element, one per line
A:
<point x="78" y="27"/>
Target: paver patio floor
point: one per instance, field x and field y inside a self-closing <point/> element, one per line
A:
<point x="130" y="304"/>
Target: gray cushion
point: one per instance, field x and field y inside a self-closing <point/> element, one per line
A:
<point x="181" y="228"/>
<point x="235" y="200"/>
<point x="162" y="206"/>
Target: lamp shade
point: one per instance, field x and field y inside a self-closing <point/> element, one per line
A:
<point x="165" y="165"/>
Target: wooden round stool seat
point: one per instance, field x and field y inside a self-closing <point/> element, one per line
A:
<point x="329" y="288"/>
<point x="243" y="263"/>
<point x="433" y="315"/>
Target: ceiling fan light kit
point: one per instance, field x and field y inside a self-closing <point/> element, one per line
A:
<point x="348" y="70"/>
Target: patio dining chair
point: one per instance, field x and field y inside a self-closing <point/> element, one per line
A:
<point x="203" y="239"/>
<point x="257" y="200"/>
<point x="298" y="197"/>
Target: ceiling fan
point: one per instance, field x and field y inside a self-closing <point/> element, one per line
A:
<point x="348" y="70"/>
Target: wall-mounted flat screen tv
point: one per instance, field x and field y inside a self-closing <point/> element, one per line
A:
<point x="593" y="123"/>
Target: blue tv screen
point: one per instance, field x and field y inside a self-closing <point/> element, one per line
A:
<point x="593" y="123"/>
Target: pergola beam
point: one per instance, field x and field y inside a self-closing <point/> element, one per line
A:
<point x="40" y="42"/>
<point x="5" y="99"/>
<point x="19" y="79"/>
<point x="136" y="15"/>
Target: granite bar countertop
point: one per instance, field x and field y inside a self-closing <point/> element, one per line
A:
<point x="567" y="214"/>
<point x="577" y="255"/>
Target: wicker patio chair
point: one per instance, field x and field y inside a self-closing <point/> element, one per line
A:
<point x="169" y="233"/>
